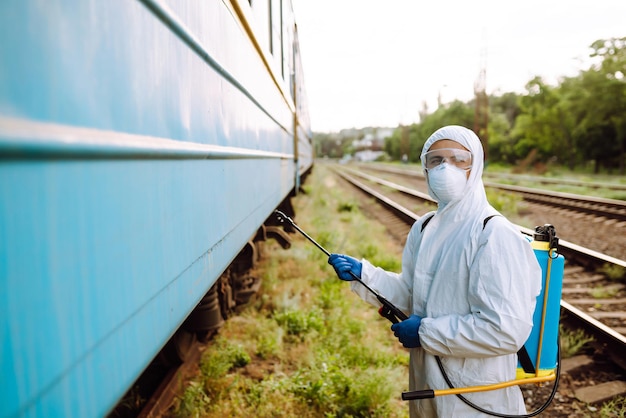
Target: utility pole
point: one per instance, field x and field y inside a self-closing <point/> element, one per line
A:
<point x="481" y="113"/>
<point x="405" y="146"/>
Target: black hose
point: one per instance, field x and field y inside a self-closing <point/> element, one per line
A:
<point x="497" y="414"/>
<point x="388" y="309"/>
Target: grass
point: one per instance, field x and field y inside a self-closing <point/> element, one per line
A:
<point x="614" y="408"/>
<point x="601" y="292"/>
<point x="614" y="272"/>
<point x="307" y="346"/>
<point x="507" y="203"/>
<point x="552" y="172"/>
<point x="573" y="341"/>
<point x="556" y="172"/>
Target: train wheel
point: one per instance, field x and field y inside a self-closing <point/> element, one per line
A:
<point x="207" y="318"/>
<point x="177" y="348"/>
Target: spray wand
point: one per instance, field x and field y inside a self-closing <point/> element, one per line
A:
<point x="387" y="310"/>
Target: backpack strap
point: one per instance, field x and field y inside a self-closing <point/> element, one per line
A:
<point x="487" y="220"/>
<point x="426" y="222"/>
<point x="431" y="216"/>
<point x="524" y="360"/>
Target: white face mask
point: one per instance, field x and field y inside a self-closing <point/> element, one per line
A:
<point x="447" y="182"/>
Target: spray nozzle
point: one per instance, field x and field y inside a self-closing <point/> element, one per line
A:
<point x="388" y="310"/>
<point x="546" y="233"/>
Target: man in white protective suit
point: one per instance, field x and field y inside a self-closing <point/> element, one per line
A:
<point x="469" y="283"/>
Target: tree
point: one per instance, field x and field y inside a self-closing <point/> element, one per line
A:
<point x="546" y="123"/>
<point x="612" y="109"/>
<point x="582" y="118"/>
<point x="503" y="110"/>
<point x="595" y="132"/>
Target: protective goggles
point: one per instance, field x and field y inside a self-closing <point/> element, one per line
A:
<point x="458" y="157"/>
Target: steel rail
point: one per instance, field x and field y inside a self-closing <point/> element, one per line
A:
<point x="610" y="208"/>
<point x="584" y="255"/>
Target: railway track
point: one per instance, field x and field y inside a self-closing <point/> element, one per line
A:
<point x="601" y="207"/>
<point x="591" y="301"/>
<point x="597" y="231"/>
<point x="568" y="182"/>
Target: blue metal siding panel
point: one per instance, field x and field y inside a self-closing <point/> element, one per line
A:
<point x="123" y="252"/>
<point x="101" y="259"/>
<point x="114" y="66"/>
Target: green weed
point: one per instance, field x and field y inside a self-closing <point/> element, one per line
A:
<point x="326" y="239"/>
<point x="299" y="323"/>
<point x="216" y="363"/>
<point x="338" y="391"/>
<point x="613" y="272"/>
<point x="330" y="296"/>
<point x="572" y="342"/>
<point x="347" y="207"/>
<point x="601" y="292"/>
<point x="269" y="337"/>
<point x="193" y="403"/>
<point x="504" y="202"/>
<point x="388" y="263"/>
<point x="615" y="408"/>
<point x="368" y="250"/>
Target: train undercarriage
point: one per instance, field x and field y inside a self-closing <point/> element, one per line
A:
<point x="236" y="287"/>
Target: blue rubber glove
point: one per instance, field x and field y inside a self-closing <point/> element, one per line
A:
<point x="344" y="264"/>
<point x="407" y="331"/>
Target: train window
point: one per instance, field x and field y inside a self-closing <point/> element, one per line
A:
<point x="276" y="32"/>
<point x="288" y="27"/>
<point x="261" y="11"/>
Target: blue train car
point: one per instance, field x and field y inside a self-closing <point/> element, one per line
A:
<point x="143" y="145"/>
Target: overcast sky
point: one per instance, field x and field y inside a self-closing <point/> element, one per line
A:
<point x="374" y="62"/>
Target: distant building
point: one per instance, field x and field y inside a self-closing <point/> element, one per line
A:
<point x="371" y="146"/>
<point x="367" y="155"/>
<point x="366" y="143"/>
